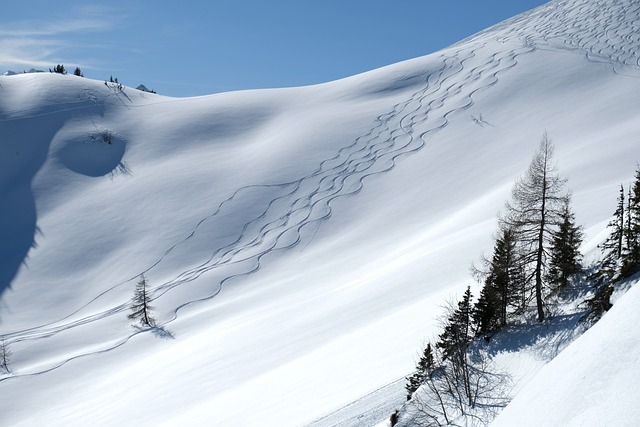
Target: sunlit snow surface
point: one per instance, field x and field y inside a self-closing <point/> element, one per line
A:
<point x="593" y="382"/>
<point x="298" y="242"/>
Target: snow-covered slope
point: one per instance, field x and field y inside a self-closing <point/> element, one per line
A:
<point x="298" y="242"/>
<point x="593" y="382"/>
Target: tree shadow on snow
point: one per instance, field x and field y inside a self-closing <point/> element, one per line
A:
<point x="157" y="331"/>
<point x="163" y="333"/>
<point x="548" y="338"/>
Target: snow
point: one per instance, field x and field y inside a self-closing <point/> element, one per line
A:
<point x="298" y="242"/>
<point x="593" y="382"/>
<point x="13" y="73"/>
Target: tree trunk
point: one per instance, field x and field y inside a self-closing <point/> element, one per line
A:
<point x="540" y="252"/>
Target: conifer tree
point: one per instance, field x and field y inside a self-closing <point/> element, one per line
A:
<point x="486" y="310"/>
<point x="141" y="309"/>
<point x="631" y="254"/>
<point x="5" y="355"/>
<point x="458" y="330"/>
<point x="566" y="259"/>
<point x="533" y="212"/>
<point x="502" y="284"/>
<point x="423" y="370"/>
<point x="613" y="247"/>
<point x="453" y="344"/>
<point x="609" y="269"/>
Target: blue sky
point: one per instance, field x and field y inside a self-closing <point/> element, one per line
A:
<point x="197" y="48"/>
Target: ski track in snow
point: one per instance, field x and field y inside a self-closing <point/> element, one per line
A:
<point x="403" y="130"/>
<point x="307" y="201"/>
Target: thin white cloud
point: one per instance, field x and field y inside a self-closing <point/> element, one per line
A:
<point x="86" y="18"/>
<point x="36" y="28"/>
<point x="40" y="42"/>
<point x="28" y="52"/>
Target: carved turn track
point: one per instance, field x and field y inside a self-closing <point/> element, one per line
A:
<point x="293" y="210"/>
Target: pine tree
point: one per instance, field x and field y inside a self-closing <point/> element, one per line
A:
<point x="5" y="355"/>
<point x="533" y="212"/>
<point x="141" y="309"/>
<point x="486" y="311"/>
<point x="502" y="284"/>
<point x="425" y="367"/>
<point x="454" y="343"/>
<point x="613" y="247"/>
<point x="631" y="255"/>
<point x="458" y="331"/>
<point x="600" y="302"/>
<point x="566" y="259"/>
<point x="608" y="270"/>
<point x="78" y="72"/>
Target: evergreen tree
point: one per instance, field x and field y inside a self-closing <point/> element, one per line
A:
<point x="458" y="331"/>
<point x="78" y="72"/>
<point x="454" y="343"/>
<point x="600" y="302"/>
<point x="141" y="309"/>
<point x="486" y="311"/>
<point x="566" y="259"/>
<point x="502" y="284"/>
<point x="5" y="355"/>
<point x="631" y="255"/>
<point x="533" y="212"/>
<point x="59" y="69"/>
<point x="423" y="370"/>
<point x="613" y="247"/>
<point x="608" y="270"/>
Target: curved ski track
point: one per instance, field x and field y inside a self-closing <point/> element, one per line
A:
<point x="403" y="130"/>
<point x="307" y="201"/>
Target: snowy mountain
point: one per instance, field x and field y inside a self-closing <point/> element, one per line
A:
<point x="298" y="242"/>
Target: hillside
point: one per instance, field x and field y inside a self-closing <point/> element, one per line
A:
<point x="298" y="242"/>
<point x="593" y="382"/>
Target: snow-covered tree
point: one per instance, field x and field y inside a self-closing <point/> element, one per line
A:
<point x="141" y="309"/>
